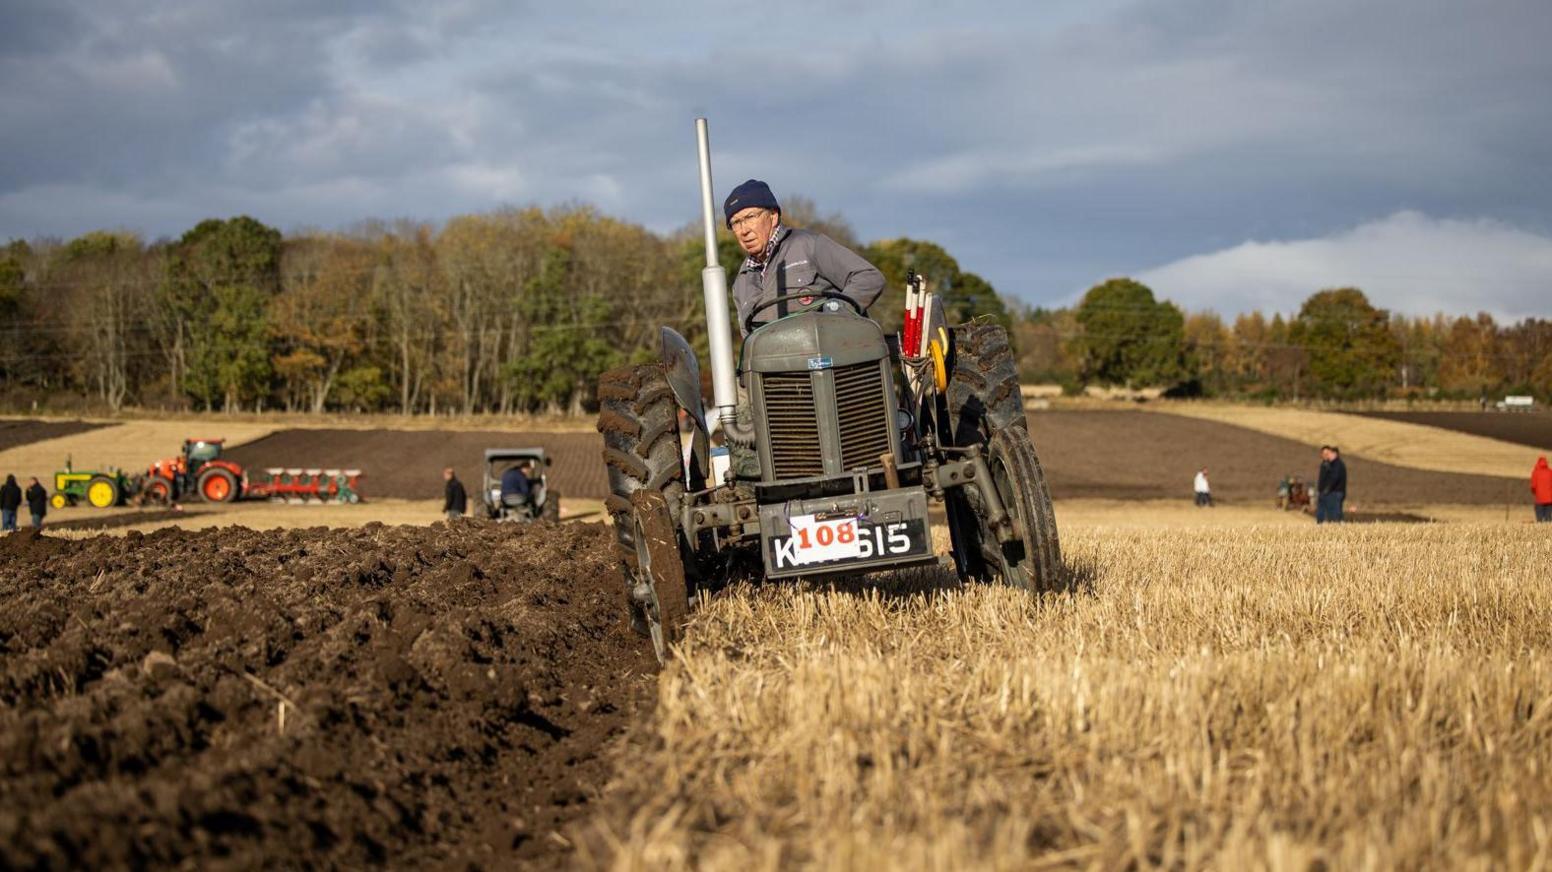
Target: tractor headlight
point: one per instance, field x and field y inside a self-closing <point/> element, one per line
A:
<point x="903" y="419"/>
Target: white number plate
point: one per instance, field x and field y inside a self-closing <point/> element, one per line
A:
<point x="816" y="540"/>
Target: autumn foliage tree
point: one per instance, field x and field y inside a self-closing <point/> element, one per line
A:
<point x="520" y="309"/>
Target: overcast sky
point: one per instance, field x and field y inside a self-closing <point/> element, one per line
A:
<point x="1233" y="154"/>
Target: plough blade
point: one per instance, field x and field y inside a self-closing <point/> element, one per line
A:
<point x="302" y="486"/>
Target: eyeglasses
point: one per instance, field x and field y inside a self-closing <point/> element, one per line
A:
<point x="740" y="221"/>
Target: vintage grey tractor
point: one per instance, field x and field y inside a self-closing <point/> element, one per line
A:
<point x="853" y="441"/>
<point x="504" y="503"/>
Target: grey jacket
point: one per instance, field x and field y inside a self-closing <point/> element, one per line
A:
<point x="804" y="264"/>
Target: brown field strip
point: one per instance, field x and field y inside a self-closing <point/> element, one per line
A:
<point x="1531" y="429"/>
<point x="1130" y="454"/>
<point x="131" y="445"/>
<point x="15" y="432"/>
<point x="1388" y="441"/>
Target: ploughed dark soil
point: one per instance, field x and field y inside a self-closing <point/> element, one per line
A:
<point x="406" y="464"/>
<point x="1121" y="454"/>
<point x="15" y="433"/>
<point x="1153" y="455"/>
<point x="1532" y="429"/>
<point x="344" y="698"/>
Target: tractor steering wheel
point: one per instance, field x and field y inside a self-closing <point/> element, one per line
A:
<point x="782" y="298"/>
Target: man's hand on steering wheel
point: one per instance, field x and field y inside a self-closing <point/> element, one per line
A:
<point x="827" y="295"/>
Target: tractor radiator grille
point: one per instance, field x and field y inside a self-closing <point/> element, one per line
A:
<point x="794" y="429"/>
<point x="864" y="414"/>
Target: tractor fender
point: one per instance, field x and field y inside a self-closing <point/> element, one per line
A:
<point x="684" y="379"/>
<point x="684" y="374"/>
<point x="235" y="469"/>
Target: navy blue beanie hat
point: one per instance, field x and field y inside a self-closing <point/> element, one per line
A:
<point x="751" y="193"/>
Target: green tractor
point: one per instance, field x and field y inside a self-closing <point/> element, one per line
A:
<point x="854" y="435"/>
<point x="100" y="490"/>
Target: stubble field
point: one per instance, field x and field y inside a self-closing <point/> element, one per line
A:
<point x="1364" y="697"/>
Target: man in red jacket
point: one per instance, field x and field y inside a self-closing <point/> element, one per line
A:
<point x="1541" y="487"/>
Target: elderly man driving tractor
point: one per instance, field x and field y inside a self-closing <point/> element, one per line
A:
<point x="788" y="270"/>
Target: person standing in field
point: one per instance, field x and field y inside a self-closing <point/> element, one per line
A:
<point x="1330" y="486"/>
<point x="1203" y="489"/>
<point x="1541" y="490"/>
<point x="10" y="502"/>
<point x="37" y="502"/>
<point x="455" y="502"/>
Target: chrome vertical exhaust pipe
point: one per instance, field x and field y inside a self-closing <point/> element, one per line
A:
<point x="714" y="288"/>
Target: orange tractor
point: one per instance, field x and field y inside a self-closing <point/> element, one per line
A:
<point x="199" y="472"/>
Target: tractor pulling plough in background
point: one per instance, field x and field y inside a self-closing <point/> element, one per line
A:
<point x="199" y="472"/>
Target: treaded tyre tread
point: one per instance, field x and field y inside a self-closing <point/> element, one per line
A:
<point x="639" y="421"/>
<point x="983" y="385"/>
<point x="986" y="406"/>
<point x="1029" y="501"/>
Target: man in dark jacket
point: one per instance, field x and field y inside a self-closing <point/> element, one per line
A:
<point x="516" y="483"/>
<point x="1541" y="490"/>
<point x="10" y="501"/>
<point x="455" y="502"/>
<point x="792" y="265"/>
<point x="1331" y="486"/>
<point x="37" y="502"/>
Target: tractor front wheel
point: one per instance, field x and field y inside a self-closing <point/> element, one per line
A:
<point x="59" y="501"/>
<point x="217" y="486"/>
<point x="1030" y="557"/>
<point x="158" y="491"/>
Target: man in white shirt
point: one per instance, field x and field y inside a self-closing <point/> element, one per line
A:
<point x="1203" y="489"/>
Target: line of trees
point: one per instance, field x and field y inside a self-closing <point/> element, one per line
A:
<point x="1338" y="346"/>
<point x="520" y="310"/>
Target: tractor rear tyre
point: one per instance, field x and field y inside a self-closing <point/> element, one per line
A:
<point x="1031" y="558"/>
<point x="102" y="492"/>
<point x="639" y="420"/>
<point x="983" y="386"/>
<point x="217" y="486"/>
<point x="983" y="399"/>
<point x="551" y="510"/>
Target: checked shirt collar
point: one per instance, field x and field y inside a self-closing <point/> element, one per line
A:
<point x="752" y="263"/>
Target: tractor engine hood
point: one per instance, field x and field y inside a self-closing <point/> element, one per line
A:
<point x="814" y="340"/>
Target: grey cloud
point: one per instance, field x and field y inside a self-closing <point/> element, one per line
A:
<point x="1046" y="145"/>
